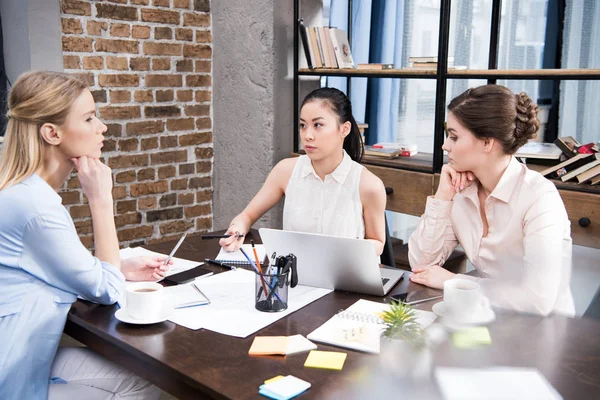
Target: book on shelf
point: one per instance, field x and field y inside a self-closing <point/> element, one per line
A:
<point x="590" y="174"/>
<point x="434" y="66"/>
<point x="428" y="59"/>
<point x="306" y="45"/>
<point x="312" y="33"/>
<point x="548" y="151"/>
<point x="380" y="152"/>
<point x="341" y="48"/>
<point x="405" y="150"/>
<point x="595" y="180"/>
<point x="593" y="160"/>
<point x="557" y="171"/>
<point x="375" y="66"/>
<point x="568" y="145"/>
<point x="325" y="47"/>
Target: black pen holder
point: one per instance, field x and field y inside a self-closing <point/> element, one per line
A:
<point x="272" y="291"/>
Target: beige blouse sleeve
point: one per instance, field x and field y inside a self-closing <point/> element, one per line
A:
<point x="434" y="240"/>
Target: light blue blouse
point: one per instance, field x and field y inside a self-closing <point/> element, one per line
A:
<point x="43" y="267"/>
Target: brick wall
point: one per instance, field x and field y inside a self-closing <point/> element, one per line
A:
<point x="148" y="64"/>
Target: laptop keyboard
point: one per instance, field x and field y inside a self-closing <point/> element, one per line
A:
<point x="385" y="280"/>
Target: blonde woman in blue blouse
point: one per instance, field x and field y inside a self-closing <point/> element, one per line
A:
<point x="52" y="128"/>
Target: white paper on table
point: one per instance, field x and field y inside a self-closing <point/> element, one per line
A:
<point x="179" y="264"/>
<point x="231" y="310"/>
<point x="496" y="383"/>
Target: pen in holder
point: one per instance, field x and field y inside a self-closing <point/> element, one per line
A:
<point x="275" y="298"/>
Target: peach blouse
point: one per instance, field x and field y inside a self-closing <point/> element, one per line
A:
<point x="525" y="259"/>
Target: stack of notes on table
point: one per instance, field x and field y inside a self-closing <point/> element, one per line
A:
<point x="390" y="150"/>
<point x="326" y="360"/>
<point x="280" y="345"/>
<point x="283" y="387"/>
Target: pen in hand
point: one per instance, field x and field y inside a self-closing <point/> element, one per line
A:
<point x="225" y="236"/>
<point x="220" y="264"/>
<point x="175" y="249"/>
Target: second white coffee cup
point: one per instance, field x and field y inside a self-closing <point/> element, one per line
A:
<point x="144" y="300"/>
<point x="463" y="300"/>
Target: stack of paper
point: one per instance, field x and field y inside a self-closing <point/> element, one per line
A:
<point x="498" y="383"/>
<point x="232" y="308"/>
<point x="280" y="345"/>
<point x="283" y="388"/>
<point x="186" y="295"/>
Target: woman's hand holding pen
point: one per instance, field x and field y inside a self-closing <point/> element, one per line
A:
<point x="235" y="241"/>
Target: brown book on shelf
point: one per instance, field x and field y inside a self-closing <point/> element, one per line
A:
<point x="375" y="66"/>
<point x="385" y="153"/>
<point x="330" y="47"/>
<point x="312" y="33"/>
<point x="595" y="180"/>
<point x="590" y="173"/>
<point x="556" y="171"/>
<point x="426" y="65"/>
<point x="568" y="145"/>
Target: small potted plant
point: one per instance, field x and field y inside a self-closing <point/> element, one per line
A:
<point x="404" y="347"/>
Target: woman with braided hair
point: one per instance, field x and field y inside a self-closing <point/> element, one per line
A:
<point x="510" y="220"/>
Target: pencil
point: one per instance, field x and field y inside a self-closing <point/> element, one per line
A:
<point x="256" y="256"/>
<point x="256" y="268"/>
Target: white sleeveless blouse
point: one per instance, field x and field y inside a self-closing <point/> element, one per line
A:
<point x="330" y="207"/>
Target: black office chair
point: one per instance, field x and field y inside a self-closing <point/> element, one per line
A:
<point x="387" y="257"/>
<point x="593" y="310"/>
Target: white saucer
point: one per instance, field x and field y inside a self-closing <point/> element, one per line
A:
<point x="122" y="315"/>
<point x="486" y="316"/>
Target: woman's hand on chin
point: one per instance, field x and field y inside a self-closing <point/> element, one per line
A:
<point x="96" y="180"/>
<point x="433" y="276"/>
<point x="452" y="182"/>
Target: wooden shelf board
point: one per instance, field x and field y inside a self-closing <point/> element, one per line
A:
<point x="456" y="73"/>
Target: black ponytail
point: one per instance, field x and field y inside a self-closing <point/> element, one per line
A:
<point x="340" y="105"/>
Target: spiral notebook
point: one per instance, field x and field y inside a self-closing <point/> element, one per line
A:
<point x="237" y="258"/>
<point x="359" y="327"/>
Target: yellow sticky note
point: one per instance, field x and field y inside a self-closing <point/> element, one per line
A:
<point x="325" y="359"/>
<point x="274" y="379"/>
<point x="268" y="345"/>
<point x="471" y="337"/>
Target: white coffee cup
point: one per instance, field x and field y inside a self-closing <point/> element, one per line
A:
<point x="144" y="300"/>
<point x="463" y="300"/>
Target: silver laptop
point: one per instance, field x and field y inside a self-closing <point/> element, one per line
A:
<point x="332" y="262"/>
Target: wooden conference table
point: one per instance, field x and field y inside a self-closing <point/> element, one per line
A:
<point x="203" y="364"/>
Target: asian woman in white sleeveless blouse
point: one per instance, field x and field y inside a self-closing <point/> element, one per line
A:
<point x="326" y="191"/>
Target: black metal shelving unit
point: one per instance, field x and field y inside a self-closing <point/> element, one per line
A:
<point x="441" y="76"/>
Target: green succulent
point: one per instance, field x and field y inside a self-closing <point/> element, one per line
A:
<point x="401" y="323"/>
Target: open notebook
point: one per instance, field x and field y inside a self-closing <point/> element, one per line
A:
<point x="237" y="258"/>
<point x="359" y="327"/>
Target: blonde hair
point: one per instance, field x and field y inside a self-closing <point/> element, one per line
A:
<point x="36" y="98"/>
